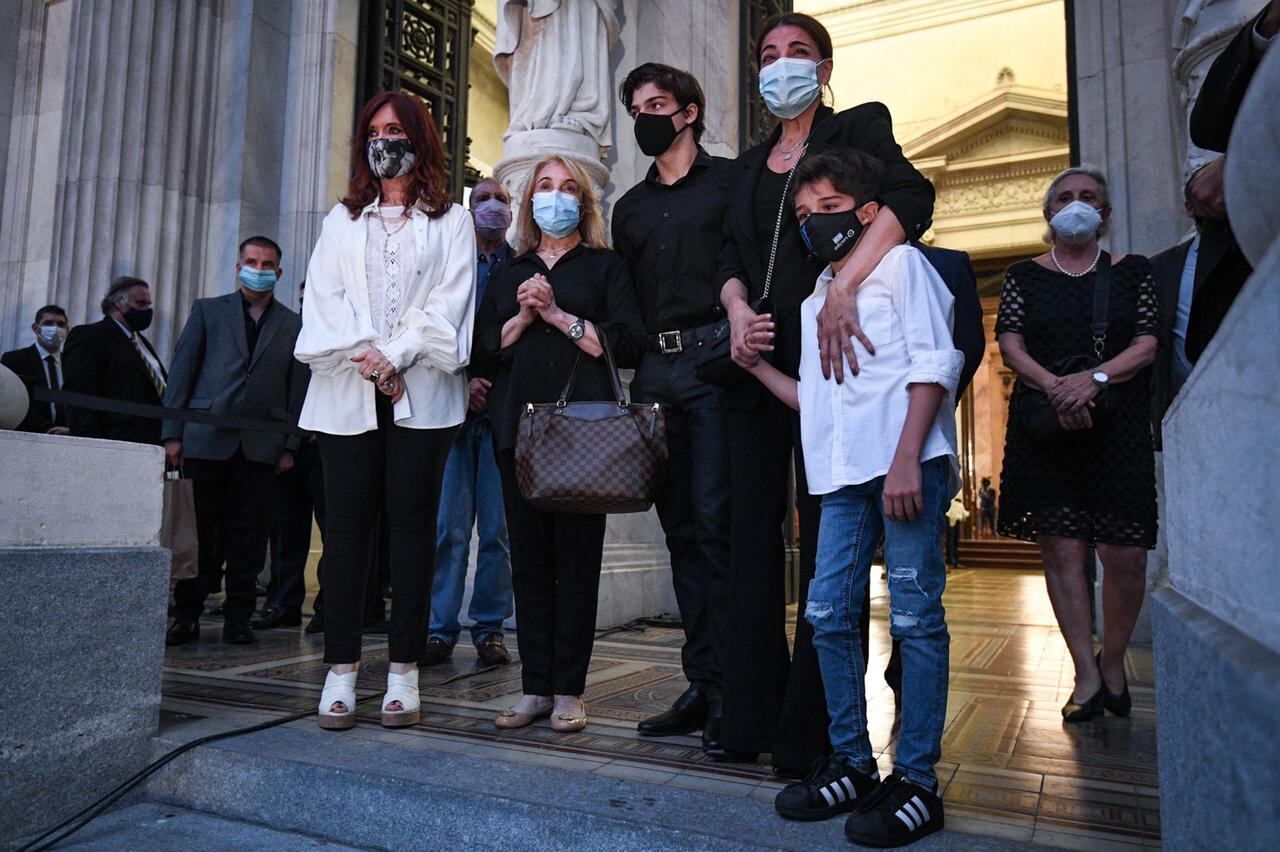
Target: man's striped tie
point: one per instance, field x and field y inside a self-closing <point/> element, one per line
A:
<point x="156" y="378"/>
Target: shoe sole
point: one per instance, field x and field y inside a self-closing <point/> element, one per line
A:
<point x="678" y="732"/>
<point x="401" y="718"/>
<point x="805" y="815"/>
<point x="886" y="843"/>
<point x="337" y="722"/>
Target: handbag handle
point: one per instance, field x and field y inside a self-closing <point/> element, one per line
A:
<point x="614" y="379"/>
<point x="1101" y="304"/>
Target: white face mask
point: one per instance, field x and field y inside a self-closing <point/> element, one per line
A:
<point x="788" y="86"/>
<point x="51" y="337"/>
<point x="1077" y="223"/>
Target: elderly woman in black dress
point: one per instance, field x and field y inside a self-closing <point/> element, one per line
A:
<point x="1096" y="487"/>
<point x="542" y="310"/>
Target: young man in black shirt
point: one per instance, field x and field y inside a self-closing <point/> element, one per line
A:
<point x="668" y="227"/>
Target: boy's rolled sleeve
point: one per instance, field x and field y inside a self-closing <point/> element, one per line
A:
<point x="924" y="306"/>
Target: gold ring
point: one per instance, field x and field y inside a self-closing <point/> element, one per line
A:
<point x="375" y="377"/>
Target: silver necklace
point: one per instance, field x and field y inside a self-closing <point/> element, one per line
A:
<point x="788" y="153"/>
<point x="1053" y="253"/>
<point x="554" y="253"/>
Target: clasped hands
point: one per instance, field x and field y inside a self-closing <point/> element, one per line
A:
<point x="377" y="368"/>
<point x="536" y="299"/>
<point x="1071" y="397"/>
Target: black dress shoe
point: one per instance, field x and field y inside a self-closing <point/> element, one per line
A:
<point x="1120" y="705"/>
<point x="315" y="625"/>
<point x="436" y="652"/>
<point x="277" y="617"/>
<point x="686" y="715"/>
<point x="492" y="651"/>
<point x="237" y="633"/>
<point x="181" y="632"/>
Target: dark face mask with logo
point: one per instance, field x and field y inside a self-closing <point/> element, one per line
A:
<point x="656" y="133"/>
<point x="831" y="236"/>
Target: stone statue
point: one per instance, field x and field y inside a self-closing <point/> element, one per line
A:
<point x="13" y="399"/>
<point x="553" y="56"/>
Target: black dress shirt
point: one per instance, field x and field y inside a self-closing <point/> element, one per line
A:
<point x="670" y="236"/>
<point x="252" y="326"/>
<point x="592" y="284"/>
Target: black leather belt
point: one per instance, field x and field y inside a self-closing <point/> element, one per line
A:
<point x="671" y="342"/>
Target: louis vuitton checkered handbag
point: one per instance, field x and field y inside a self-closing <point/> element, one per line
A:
<point x="591" y="457"/>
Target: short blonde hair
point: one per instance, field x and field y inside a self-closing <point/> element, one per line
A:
<point x="590" y="222"/>
<point x="1088" y="171"/>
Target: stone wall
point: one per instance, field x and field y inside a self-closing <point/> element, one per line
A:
<point x="86" y="589"/>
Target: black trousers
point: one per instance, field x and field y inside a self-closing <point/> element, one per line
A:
<point x="233" y="522"/>
<point x="693" y="504"/>
<point x="555" y="574"/>
<point x="397" y="471"/>
<point x="299" y="496"/>
<point x="773" y="698"/>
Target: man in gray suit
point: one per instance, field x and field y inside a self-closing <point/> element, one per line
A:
<point x="235" y="357"/>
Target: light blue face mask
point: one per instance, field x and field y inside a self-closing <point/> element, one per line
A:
<point x="257" y="280"/>
<point x="789" y="86"/>
<point x="556" y="213"/>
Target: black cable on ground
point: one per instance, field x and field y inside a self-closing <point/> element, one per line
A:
<point x="96" y="809"/>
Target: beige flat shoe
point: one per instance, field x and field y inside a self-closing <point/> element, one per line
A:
<point x="509" y="718"/>
<point x="567" y="723"/>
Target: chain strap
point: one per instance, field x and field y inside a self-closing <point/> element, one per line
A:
<point x="777" y="228"/>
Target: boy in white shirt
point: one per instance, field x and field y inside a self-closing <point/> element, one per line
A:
<point x="881" y="450"/>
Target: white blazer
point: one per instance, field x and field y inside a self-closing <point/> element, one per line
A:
<point x="430" y="345"/>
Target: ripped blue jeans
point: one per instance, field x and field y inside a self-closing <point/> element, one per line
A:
<point x="852" y="522"/>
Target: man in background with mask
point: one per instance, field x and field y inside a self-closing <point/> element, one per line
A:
<point x="235" y="357"/>
<point x="40" y="366"/>
<point x="112" y="358"/>
<point x="668" y="228"/>
<point x="472" y="489"/>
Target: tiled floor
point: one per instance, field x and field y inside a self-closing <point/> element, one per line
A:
<point x="1010" y="767"/>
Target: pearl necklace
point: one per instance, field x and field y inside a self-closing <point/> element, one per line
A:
<point x="1053" y="253"/>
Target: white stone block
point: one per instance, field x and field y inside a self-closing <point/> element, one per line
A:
<point x="60" y="491"/>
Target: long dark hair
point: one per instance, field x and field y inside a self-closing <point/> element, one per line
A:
<point x="429" y="186"/>
<point x="808" y="23"/>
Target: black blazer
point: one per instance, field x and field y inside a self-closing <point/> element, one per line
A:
<point x="955" y="270"/>
<point x="867" y="128"/>
<point x="1167" y="266"/>
<point x="29" y="367"/>
<point x="1224" y="86"/>
<point x="594" y="284"/>
<point x="98" y="359"/>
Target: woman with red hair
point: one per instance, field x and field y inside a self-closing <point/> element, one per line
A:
<point x="387" y="333"/>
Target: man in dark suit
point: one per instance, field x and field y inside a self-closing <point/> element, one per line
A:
<point x="40" y="366"/>
<point x="235" y="357"/>
<point x="1221" y="266"/>
<point x="112" y="358"/>
<point x="1178" y="273"/>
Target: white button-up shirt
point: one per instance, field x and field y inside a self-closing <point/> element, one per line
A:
<point x="429" y="345"/>
<point x="850" y="431"/>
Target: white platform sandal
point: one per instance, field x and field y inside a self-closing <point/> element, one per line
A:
<point x="402" y="688"/>
<point x="338" y="687"/>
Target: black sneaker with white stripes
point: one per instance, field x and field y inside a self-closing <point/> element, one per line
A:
<point x="897" y="813"/>
<point x="834" y="786"/>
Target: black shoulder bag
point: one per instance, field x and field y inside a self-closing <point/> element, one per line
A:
<point x="1032" y="407"/>
<point x="715" y="364"/>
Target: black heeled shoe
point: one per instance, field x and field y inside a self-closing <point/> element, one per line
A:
<point x="1120" y="704"/>
<point x="1073" y="712"/>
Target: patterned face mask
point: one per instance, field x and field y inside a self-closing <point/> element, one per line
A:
<point x="391" y="158"/>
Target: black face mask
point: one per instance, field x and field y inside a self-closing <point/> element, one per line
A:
<point x="831" y="236"/>
<point x="138" y="319"/>
<point x="655" y="133"/>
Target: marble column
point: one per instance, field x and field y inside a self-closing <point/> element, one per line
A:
<point x="1217" y="622"/>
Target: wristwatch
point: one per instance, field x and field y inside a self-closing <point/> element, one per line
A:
<point x="1100" y="379"/>
<point x="577" y="329"/>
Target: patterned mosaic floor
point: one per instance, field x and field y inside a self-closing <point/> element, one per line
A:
<point x="1010" y="768"/>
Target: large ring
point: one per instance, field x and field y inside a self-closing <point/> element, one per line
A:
<point x="375" y="377"/>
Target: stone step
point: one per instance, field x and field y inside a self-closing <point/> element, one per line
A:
<point x="378" y="789"/>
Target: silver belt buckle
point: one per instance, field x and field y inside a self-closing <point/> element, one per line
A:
<point x="669" y="342"/>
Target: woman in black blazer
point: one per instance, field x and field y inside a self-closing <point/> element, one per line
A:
<point x="773" y="702"/>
